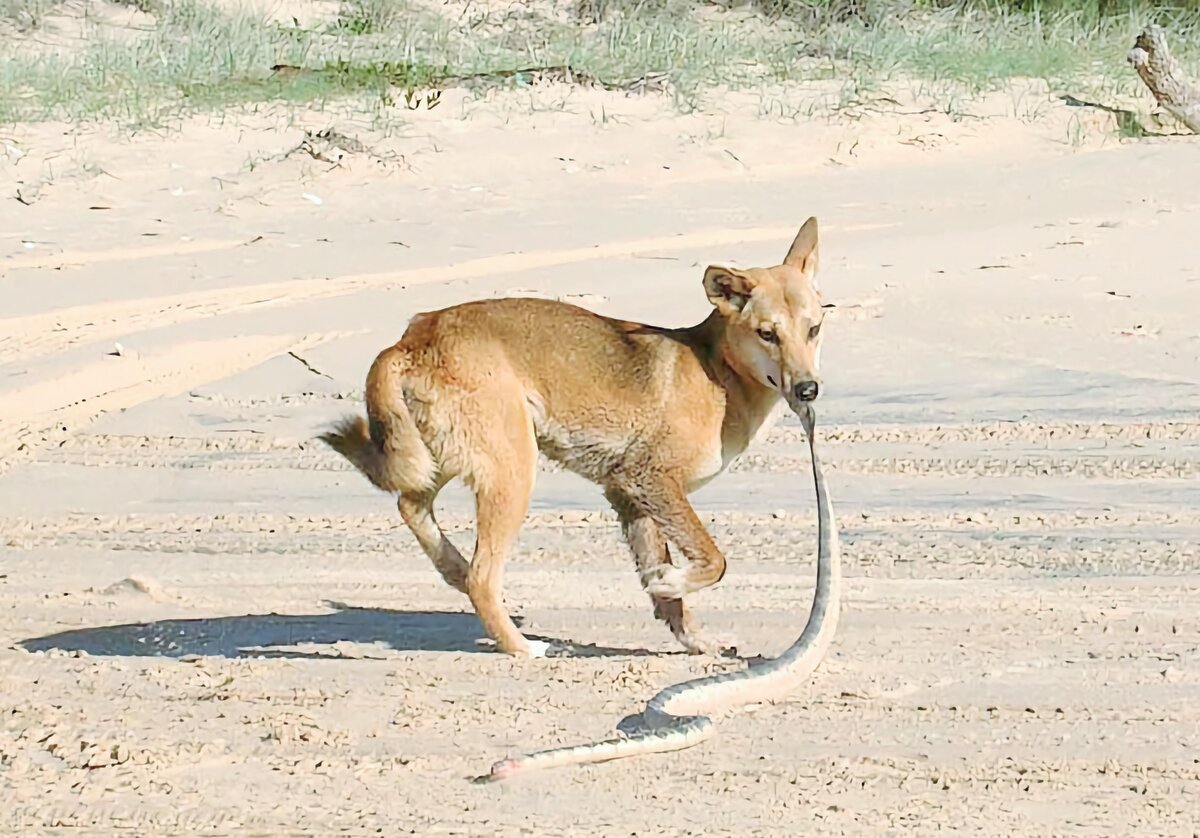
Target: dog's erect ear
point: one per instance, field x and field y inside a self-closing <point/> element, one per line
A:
<point x="803" y="252"/>
<point x="728" y="289"/>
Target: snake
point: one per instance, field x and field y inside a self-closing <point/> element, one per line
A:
<point x="680" y="716"/>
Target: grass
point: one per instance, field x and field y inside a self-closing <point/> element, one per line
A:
<point x="194" y="56"/>
<point x="198" y="57"/>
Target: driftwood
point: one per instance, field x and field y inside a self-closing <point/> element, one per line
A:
<point x="1165" y="78"/>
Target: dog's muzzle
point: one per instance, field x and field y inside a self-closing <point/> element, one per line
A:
<point x="805" y="391"/>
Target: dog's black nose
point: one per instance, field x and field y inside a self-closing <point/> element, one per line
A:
<point x="806" y="391"/>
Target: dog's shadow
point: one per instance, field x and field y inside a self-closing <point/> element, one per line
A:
<point x="348" y="632"/>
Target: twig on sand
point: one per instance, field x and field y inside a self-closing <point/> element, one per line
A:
<point x="310" y="367"/>
<point x="1165" y="78"/>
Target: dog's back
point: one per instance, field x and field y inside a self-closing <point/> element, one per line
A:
<point x="593" y="385"/>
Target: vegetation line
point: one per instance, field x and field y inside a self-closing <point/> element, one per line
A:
<point x="145" y="62"/>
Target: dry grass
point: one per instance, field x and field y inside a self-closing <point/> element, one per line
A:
<point x="192" y="55"/>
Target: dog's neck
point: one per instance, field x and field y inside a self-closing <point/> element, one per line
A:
<point x="742" y="388"/>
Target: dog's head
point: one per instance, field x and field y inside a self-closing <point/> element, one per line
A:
<point x="773" y="319"/>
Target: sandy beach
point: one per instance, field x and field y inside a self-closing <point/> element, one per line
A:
<point x="210" y="625"/>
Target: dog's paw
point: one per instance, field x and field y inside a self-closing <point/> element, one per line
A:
<point x="717" y="645"/>
<point x="666" y="581"/>
<point x="531" y="649"/>
<point x="537" y="648"/>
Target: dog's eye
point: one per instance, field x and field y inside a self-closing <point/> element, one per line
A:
<point x="814" y="331"/>
<point x="767" y="336"/>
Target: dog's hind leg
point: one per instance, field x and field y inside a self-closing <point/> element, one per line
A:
<point x="417" y="510"/>
<point x="503" y="462"/>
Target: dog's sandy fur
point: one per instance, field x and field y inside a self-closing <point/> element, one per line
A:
<point x="651" y="414"/>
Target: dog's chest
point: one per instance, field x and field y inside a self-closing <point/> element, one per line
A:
<point x="713" y="459"/>
<point x="720" y="453"/>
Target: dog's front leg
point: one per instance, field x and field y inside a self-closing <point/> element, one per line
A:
<point x="678" y="522"/>
<point x="649" y="548"/>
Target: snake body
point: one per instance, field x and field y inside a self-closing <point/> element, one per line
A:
<point x="678" y="717"/>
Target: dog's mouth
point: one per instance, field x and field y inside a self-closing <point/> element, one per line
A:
<point x="800" y="403"/>
<point x="804" y="410"/>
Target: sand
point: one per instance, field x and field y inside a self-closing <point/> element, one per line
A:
<point x="208" y="624"/>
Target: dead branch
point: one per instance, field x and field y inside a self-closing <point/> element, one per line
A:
<point x="1165" y="78"/>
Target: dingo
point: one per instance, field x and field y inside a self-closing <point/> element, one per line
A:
<point x="649" y="413"/>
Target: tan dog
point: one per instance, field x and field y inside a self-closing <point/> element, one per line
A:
<point x="651" y="414"/>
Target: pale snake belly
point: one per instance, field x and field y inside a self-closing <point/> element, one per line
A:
<point x="679" y="716"/>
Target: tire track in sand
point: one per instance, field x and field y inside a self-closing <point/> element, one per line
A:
<point x="763" y="544"/>
<point x="1120" y="459"/>
<point x="42" y="334"/>
<point x="78" y="258"/>
<point x="1038" y="432"/>
<point x="48" y="409"/>
<point x="1087" y="467"/>
<point x="1041" y="433"/>
<point x="310" y="456"/>
<point x="909" y="523"/>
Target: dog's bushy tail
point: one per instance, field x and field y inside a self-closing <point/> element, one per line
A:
<point x="388" y="449"/>
<point x="350" y="438"/>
